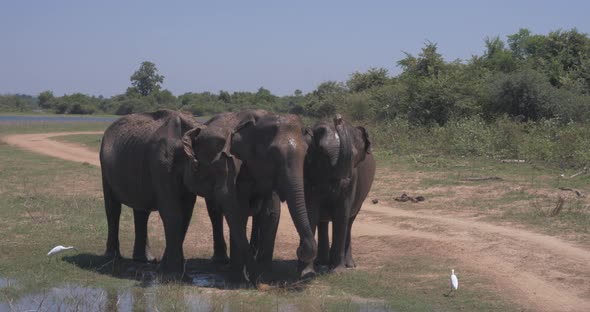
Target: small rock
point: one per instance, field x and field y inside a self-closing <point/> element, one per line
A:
<point x="375" y="200"/>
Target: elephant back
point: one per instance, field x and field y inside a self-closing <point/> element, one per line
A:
<point x="127" y="153"/>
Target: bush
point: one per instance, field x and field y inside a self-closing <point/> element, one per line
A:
<point x="524" y="93"/>
<point x="548" y="140"/>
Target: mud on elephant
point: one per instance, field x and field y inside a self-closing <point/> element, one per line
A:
<point x="339" y="172"/>
<point x="161" y="161"/>
<point x="272" y="149"/>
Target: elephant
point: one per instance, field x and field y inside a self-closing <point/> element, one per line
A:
<point x="339" y="172"/>
<point x="162" y="161"/>
<point x="272" y="150"/>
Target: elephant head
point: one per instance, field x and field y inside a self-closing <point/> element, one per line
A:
<point x="338" y="146"/>
<point x="272" y="148"/>
<point x="210" y="169"/>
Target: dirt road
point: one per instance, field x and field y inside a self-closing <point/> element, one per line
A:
<point x="540" y="272"/>
<point x="41" y="143"/>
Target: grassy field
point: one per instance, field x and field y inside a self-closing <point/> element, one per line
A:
<point x="46" y="202"/>
<point x="90" y="141"/>
<point x="522" y="194"/>
<point x="41" y="127"/>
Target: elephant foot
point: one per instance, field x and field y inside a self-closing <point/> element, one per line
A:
<point x="350" y="264"/>
<point x="171" y="270"/>
<point x="145" y="259"/>
<point x="306" y="270"/>
<point x="220" y="259"/>
<point x="338" y="269"/>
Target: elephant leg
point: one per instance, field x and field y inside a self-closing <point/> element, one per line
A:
<point x="313" y="213"/>
<point x="323" y="244"/>
<point x="113" y="212"/>
<point x="141" y="247"/>
<point x="174" y="230"/>
<point x="269" y="223"/>
<point x="188" y="206"/>
<point x="349" y="261"/>
<point x="219" y="246"/>
<point x="238" y="236"/>
<point x="339" y="233"/>
<point x="255" y="235"/>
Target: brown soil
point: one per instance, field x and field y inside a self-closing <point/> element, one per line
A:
<point x="539" y="272"/>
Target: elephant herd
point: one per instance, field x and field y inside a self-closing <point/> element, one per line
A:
<point x="244" y="164"/>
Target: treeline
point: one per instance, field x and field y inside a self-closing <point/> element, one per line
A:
<point x="526" y="97"/>
<point x="526" y="77"/>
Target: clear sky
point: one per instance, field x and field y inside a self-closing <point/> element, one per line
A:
<point x="93" y="47"/>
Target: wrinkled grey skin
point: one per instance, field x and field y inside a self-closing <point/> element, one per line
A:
<point x="159" y="162"/>
<point x="272" y="149"/>
<point x="339" y="172"/>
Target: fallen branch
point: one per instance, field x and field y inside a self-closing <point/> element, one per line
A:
<point x="558" y="207"/>
<point x="579" y="173"/>
<point x="518" y="161"/>
<point x="578" y="193"/>
<point x="482" y="179"/>
<point x="405" y="198"/>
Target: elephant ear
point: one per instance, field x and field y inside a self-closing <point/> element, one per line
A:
<point x="365" y="136"/>
<point x="236" y="138"/>
<point x="227" y="146"/>
<point x="245" y="124"/>
<point x="307" y="135"/>
<point x="187" y="142"/>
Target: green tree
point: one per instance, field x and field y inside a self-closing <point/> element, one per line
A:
<point x="374" y="77"/>
<point x="497" y="57"/>
<point x="525" y="93"/>
<point x="224" y="96"/>
<point x="146" y="79"/>
<point x="46" y="99"/>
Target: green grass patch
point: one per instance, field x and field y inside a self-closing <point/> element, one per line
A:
<point x="525" y="193"/>
<point x="417" y="283"/>
<point x="90" y="141"/>
<point x="43" y="127"/>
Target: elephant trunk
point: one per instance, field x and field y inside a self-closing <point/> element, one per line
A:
<point x="293" y="189"/>
<point x="343" y="165"/>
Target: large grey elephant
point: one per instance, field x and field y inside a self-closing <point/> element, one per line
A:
<point x="161" y="161"/>
<point x="339" y="172"/>
<point x="272" y="149"/>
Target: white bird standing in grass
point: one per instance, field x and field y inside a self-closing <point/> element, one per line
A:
<point x="57" y="249"/>
<point x="454" y="282"/>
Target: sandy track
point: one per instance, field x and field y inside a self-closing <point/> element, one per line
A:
<point x="40" y="143"/>
<point x="539" y="271"/>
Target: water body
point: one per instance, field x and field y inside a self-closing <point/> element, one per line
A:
<point x="55" y="118"/>
<point x="65" y="118"/>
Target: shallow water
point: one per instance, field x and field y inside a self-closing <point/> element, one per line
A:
<point x="6" y="282"/>
<point x="65" y="118"/>
<point x="77" y="298"/>
<point x="56" y="118"/>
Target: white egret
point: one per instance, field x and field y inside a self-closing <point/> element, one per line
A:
<point x="454" y="282"/>
<point x="57" y="249"/>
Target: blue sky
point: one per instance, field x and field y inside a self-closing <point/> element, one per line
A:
<point x="94" y="47"/>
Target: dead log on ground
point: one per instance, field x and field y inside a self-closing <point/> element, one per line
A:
<point x="578" y="193"/>
<point x="481" y="179"/>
